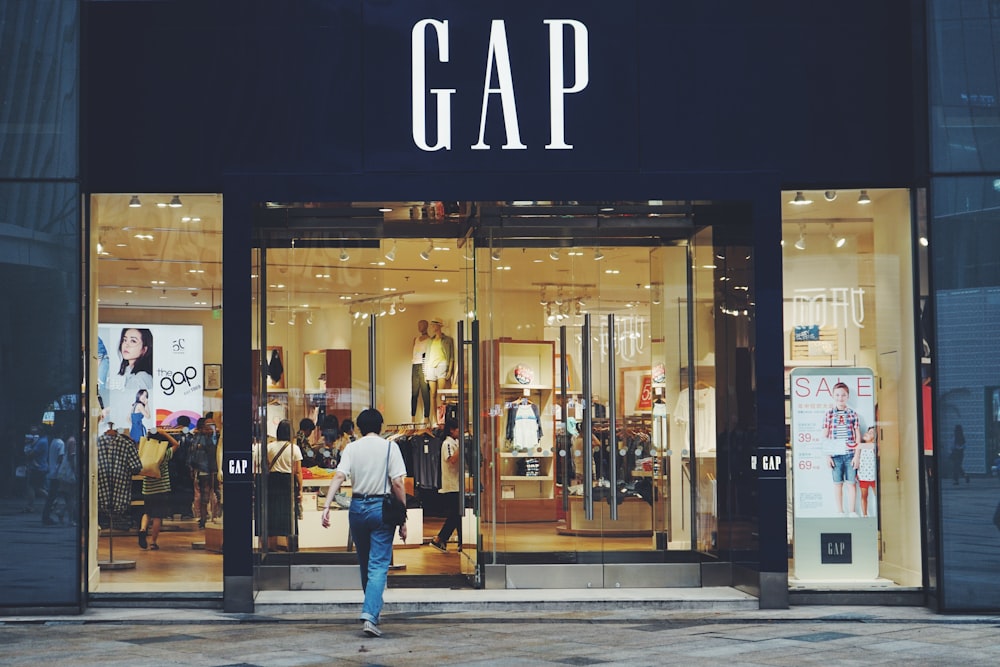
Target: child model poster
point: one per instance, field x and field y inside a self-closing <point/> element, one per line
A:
<point x="834" y="451"/>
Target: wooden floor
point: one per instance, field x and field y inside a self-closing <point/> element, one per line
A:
<point x="178" y="566"/>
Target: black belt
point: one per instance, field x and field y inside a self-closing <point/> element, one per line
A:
<point x="366" y="496"/>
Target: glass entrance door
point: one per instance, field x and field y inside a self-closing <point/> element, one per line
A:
<point x="355" y="315"/>
<point x="587" y="340"/>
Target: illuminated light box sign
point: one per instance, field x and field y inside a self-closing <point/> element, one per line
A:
<point x="149" y="374"/>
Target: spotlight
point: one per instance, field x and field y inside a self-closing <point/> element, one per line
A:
<point x="495" y="254"/>
<point x="559" y="297"/>
<point x="343" y="255"/>
<point x="391" y="255"/>
<point x="426" y="254"/>
<point x="542" y="300"/>
<point x="270" y="317"/>
<point x="392" y="308"/>
<point x="924" y="242"/>
<point x="801" y="243"/>
<point x="598" y="255"/>
<point x="309" y="317"/>
<point x="838" y="241"/>
<point x="863" y="198"/>
<point x="830" y="195"/>
<point x="554" y="254"/>
<point x="800" y="199"/>
<point x="175" y="202"/>
<point x="291" y="317"/>
<point x="400" y="306"/>
<point x="134" y="202"/>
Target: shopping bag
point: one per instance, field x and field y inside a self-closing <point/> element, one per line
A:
<point x="151" y="452"/>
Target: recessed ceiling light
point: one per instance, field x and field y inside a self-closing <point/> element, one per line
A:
<point x="800" y="199"/>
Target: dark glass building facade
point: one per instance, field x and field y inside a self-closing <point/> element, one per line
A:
<point x="698" y="141"/>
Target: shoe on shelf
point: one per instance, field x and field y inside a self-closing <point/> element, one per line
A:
<point x="443" y="548"/>
<point x="142" y="540"/>
<point x="371" y="629"/>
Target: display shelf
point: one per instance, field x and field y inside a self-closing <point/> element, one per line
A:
<point x="818" y="363"/>
<point x="520" y="387"/>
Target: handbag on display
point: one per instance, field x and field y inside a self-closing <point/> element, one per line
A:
<point x="151" y="452"/>
<point x="393" y="511"/>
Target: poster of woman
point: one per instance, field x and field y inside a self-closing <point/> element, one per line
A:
<point x="148" y="375"/>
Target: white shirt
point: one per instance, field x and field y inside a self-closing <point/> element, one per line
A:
<point x="283" y="463"/>
<point x="57" y="450"/>
<point x="449" y="470"/>
<point x="419" y="348"/>
<point x="364" y="462"/>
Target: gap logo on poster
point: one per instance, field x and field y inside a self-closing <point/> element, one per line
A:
<point x="498" y="58"/>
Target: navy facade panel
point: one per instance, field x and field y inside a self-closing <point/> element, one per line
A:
<point x="179" y="93"/>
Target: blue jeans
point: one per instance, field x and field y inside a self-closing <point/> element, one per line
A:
<point x="373" y="540"/>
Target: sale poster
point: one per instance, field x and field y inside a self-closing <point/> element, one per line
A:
<point x="149" y="375"/>
<point x="833" y="429"/>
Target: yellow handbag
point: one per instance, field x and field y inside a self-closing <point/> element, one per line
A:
<point x="151" y="452"/>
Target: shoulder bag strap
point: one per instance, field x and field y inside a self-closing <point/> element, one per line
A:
<point x="386" y="483"/>
<point x="270" y="464"/>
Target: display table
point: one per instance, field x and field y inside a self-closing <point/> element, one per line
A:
<point x="312" y="534"/>
<point x="635" y="519"/>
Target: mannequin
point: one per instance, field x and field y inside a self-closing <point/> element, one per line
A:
<point x="439" y="361"/>
<point x="420" y="388"/>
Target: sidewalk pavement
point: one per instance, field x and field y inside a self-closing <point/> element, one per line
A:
<point x="631" y="628"/>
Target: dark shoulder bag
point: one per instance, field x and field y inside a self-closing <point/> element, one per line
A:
<point x="393" y="511"/>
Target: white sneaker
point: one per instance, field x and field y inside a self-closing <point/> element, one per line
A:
<point x="371" y="629"/>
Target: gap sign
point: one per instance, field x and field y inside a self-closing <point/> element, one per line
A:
<point x="498" y="59"/>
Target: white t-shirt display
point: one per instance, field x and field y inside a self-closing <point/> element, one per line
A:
<point x="704" y="414"/>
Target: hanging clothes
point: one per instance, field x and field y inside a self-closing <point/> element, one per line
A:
<point x="524" y="425"/>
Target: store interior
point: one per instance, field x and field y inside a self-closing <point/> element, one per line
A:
<point x="530" y="275"/>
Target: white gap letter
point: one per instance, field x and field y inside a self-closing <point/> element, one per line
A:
<point x="443" y="95"/>
<point x="498" y="50"/>
<point x="581" y="68"/>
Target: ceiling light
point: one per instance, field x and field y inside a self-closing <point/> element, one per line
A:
<point x="400" y="306"/>
<point x="559" y="297"/>
<point x="134" y="202"/>
<point x="801" y="243"/>
<point x="426" y="254"/>
<point x="391" y="255"/>
<point x="291" y="317"/>
<point x="343" y="255"/>
<point x="923" y="241"/>
<point x="838" y="241"/>
<point x="830" y="195"/>
<point x="598" y="255"/>
<point x="541" y="299"/>
<point x="863" y="198"/>
<point x="495" y="254"/>
<point x="175" y="202"/>
<point x="554" y="254"/>
<point x="309" y="317"/>
<point x="392" y="308"/>
<point x="270" y="317"/>
<point x="800" y="199"/>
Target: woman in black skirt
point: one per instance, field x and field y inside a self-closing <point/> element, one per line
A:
<point x="284" y="462"/>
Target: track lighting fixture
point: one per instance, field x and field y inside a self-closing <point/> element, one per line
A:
<point x="343" y="255"/>
<point x="924" y="242"/>
<point x="134" y="202"/>
<point x="495" y="254"/>
<point x="392" y="308"/>
<point x="838" y="241"/>
<point x="309" y="317"/>
<point x="400" y="306"/>
<point x="830" y="195"/>
<point x="391" y="255"/>
<point x="800" y="199"/>
<point x="426" y="254"/>
<point x="554" y="254"/>
<point x="863" y="198"/>
<point x="801" y="243"/>
<point x="291" y="317"/>
<point x="542" y="299"/>
<point x="559" y="297"/>
<point x="175" y="202"/>
<point x="270" y="317"/>
<point x="598" y="255"/>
